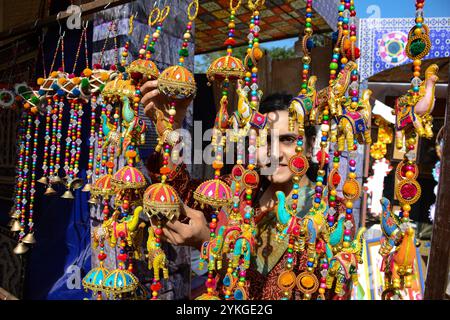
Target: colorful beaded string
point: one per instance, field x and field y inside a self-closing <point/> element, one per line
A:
<point x="354" y="94"/>
<point x="411" y="168"/>
<point x="29" y="119"/>
<point x="298" y="161"/>
<point x="30" y="238"/>
<point x="19" y="169"/>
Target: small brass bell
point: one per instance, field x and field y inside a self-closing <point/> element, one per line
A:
<point x="68" y="195"/>
<point x="86" y="188"/>
<point x="43" y="180"/>
<point x="56" y="179"/>
<point x="93" y="200"/>
<point x="29" y="238"/>
<point x="15" y="226"/>
<point x="21" y="248"/>
<point x="15" y="215"/>
<point x="49" y="191"/>
<point x="77" y="183"/>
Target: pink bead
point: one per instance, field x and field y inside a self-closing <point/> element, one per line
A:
<point x="352" y="162"/>
<point x="347" y="232"/>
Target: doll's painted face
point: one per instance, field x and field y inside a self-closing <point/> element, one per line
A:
<point x="273" y="159"/>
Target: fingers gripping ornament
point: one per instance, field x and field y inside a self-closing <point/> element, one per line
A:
<point x="161" y="201"/>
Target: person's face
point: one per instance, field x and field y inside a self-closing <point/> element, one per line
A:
<point x="281" y="147"/>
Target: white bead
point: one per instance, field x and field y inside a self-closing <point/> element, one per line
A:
<point x="156" y="35"/>
<point x="187" y="35"/>
<point x="325" y="127"/>
<point x="142" y="51"/>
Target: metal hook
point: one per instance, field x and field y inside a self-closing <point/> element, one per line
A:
<point x="35" y="23"/>
<point x="59" y="23"/>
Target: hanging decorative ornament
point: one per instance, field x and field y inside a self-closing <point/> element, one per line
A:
<point x="161" y="201"/>
<point x="217" y="193"/>
<point x="413" y="120"/>
<point x="288" y="224"/>
<point x="50" y="90"/>
<point x="352" y="119"/>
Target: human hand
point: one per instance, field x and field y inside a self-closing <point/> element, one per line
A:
<point x="153" y="100"/>
<point x="194" y="233"/>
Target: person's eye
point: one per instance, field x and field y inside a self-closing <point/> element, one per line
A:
<point x="287" y="139"/>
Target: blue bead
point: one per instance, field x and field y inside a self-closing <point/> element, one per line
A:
<point x="290" y="260"/>
<point x="299" y="143"/>
<point x="349" y="211"/>
<point x="346" y="238"/>
<point x="247" y="216"/>
<point x="355" y="72"/>
<point x="319" y="178"/>
<point x="295" y="196"/>
<point x="416" y="89"/>
<point x="306" y="66"/>
<point x="355" y="99"/>
<point x="76" y="92"/>
<point x="227" y="297"/>
<point x="317" y="200"/>
<point x="310" y="264"/>
<point x="41" y="92"/>
<point x="324" y="138"/>
<point x="296" y="186"/>
<point x="345" y="20"/>
<point x="419" y="25"/>
<point x="60" y="92"/>
<point x="341" y="7"/>
<point x="335" y="56"/>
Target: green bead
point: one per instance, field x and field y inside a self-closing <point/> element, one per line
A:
<point x="333" y="66"/>
<point x="332" y="198"/>
<point x="151" y="49"/>
<point x="183" y="52"/>
<point x="326" y="117"/>
<point x="84" y="83"/>
<point x="304" y="86"/>
<point x="102" y="86"/>
<point x="121" y="69"/>
<point x="34" y="100"/>
<point x="308" y="25"/>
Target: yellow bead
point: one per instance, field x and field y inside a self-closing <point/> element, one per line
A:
<point x="349" y="204"/>
<point x="346" y="244"/>
<point x="352" y="175"/>
<point x="230" y="270"/>
<point x="254" y="69"/>
<point x="417" y="62"/>
<point x="353" y="38"/>
<point x="154" y="293"/>
<point x="417" y="31"/>
<point x="406" y="207"/>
